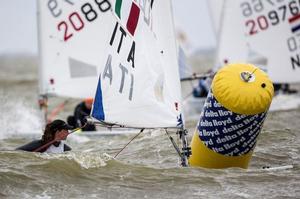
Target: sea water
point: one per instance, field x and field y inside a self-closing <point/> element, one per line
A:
<point x="147" y="168"/>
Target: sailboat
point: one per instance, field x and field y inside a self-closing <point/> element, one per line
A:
<point x="259" y="33"/>
<point x="123" y="51"/>
<point x="68" y="35"/>
<point x="265" y="37"/>
<point x="68" y="56"/>
<point x="138" y="85"/>
<point x="137" y="72"/>
<point x="215" y="8"/>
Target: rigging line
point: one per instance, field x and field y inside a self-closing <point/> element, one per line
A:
<point x="129" y="143"/>
<point x="253" y="72"/>
<point x="116" y="126"/>
<point x="100" y="123"/>
<point x="195" y="76"/>
<point x="174" y="144"/>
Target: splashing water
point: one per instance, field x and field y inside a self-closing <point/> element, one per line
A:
<point x="19" y="117"/>
<point x="84" y="159"/>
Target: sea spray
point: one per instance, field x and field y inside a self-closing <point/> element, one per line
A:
<point x="18" y="117"/>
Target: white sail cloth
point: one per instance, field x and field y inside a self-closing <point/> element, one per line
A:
<point x="125" y="50"/>
<point x="263" y="33"/>
<point x="139" y="83"/>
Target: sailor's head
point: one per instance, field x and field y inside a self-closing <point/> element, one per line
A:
<point x="54" y="127"/>
<point x="88" y="103"/>
<point x="58" y="125"/>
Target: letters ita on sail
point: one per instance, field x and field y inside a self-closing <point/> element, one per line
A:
<point x="124" y="51"/>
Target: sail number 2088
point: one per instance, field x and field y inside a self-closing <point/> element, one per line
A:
<point x="75" y="21"/>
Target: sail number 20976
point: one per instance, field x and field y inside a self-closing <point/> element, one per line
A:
<point x="75" y="21"/>
<point x="258" y="20"/>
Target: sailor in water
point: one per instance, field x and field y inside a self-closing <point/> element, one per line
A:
<point x="52" y="140"/>
<point x="82" y="110"/>
<point x="203" y="87"/>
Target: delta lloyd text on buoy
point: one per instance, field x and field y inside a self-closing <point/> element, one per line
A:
<point x="232" y="117"/>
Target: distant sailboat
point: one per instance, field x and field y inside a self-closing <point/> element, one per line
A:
<point x="69" y="58"/>
<point x="261" y="29"/>
<point x="263" y="34"/>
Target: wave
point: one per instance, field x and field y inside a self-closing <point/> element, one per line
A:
<point x="18" y="117"/>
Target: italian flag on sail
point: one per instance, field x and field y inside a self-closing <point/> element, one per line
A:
<point x="128" y="12"/>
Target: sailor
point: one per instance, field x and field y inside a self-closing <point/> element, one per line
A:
<point x="202" y="89"/>
<point x="82" y="110"/>
<point x="52" y="140"/>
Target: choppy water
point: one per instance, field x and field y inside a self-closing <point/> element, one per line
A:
<point x="147" y="168"/>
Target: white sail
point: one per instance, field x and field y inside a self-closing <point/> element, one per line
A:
<point x="262" y="29"/>
<point x="139" y="80"/>
<point x="70" y="46"/>
<point x="216" y="10"/>
<point x="185" y="70"/>
<point x="231" y="39"/>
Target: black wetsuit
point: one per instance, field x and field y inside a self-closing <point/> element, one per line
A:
<point x="80" y="113"/>
<point x="202" y="89"/>
<point x="36" y="144"/>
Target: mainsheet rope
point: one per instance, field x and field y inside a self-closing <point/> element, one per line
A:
<point x="129" y="142"/>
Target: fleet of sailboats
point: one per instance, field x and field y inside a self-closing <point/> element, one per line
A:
<point x="124" y="55"/>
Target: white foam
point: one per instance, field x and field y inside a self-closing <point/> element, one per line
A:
<point x="85" y="159"/>
<point x="283" y="102"/>
<point x="18" y="117"/>
<point x="279" y="168"/>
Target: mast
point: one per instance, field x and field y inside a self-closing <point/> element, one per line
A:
<point x="219" y="34"/>
<point x="43" y="98"/>
<point x="216" y="8"/>
<point x="182" y="133"/>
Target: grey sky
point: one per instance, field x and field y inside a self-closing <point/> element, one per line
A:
<point x="18" y="26"/>
<point x="18" y="33"/>
<point x="193" y="17"/>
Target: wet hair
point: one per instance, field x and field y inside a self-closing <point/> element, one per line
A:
<point x="48" y="135"/>
<point x="52" y="128"/>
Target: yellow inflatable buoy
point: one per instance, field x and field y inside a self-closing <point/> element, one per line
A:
<point x="232" y="117"/>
